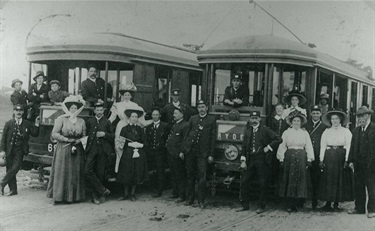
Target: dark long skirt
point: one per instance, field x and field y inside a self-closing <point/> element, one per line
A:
<point x="336" y="182"/>
<point x="295" y="179"/>
<point x="132" y="170"/>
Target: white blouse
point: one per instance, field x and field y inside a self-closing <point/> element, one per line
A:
<point x="335" y="136"/>
<point x="295" y="138"/>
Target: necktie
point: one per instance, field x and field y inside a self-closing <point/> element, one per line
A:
<point x="363" y="128"/>
<point x="280" y="121"/>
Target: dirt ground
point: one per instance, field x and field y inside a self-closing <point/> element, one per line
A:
<point x="31" y="210"/>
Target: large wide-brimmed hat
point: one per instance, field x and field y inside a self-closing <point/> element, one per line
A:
<point x="137" y="110"/>
<point x="326" y="118"/>
<point x="295" y="114"/>
<point x="16" y="81"/>
<point x="127" y="88"/>
<point x="40" y="73"/>
<point x="288" y="98"/>
<point x="364" y="110"/>
<point x="74" y="99"/>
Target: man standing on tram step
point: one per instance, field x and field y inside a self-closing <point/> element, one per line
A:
<point x="315" y="127"/>
<point x="236" y="95"/>
<point x="362" y="160"/>
<point x="199" y="145"/>
<point x="176" y="152"/>
<point x="156" y="138"/>
<point x="38" y="94"/>
<point x="98" y="149"/>
<point x="168" y="110"/>
<point x="258" y="144"/>
<point x="93" y="87"/>
<point x="19" y="96"/>
<point x="14" y="145"/>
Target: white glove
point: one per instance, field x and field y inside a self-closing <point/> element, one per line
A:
<point x="135" y="153"/>
<point x="132" y="144"/>
<point x="138" y="145"/>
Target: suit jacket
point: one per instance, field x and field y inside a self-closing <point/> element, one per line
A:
<point x="160" y="140"/>
<point x="354" y="147"/>
<point x="315" y="135"/>
<point x="206" y="126"/>
<point x="275" y="126"/>
<point x="105" y="126"/>
<point x="267" y="137"/>
<point x="177" y="135"/>
<point x="10" y="131"/>
<point x="91" y="91"/>
<point x="242" y="93"/>
<point x="168" y="111"/>
<point x="19" y="98"/>
<point x="42" y="91"/>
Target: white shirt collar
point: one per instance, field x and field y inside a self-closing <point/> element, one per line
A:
<point x="367" y="124"/>
<point x="176" y="104"/>
<point x="19" y="122"/>
<point x="179" y="121"/>
<point x="202" y="116"/>
<point x="277" y="117"/>
<point x="157" y="122"/>
<point x="98" y="118"/>
<point x="94" y="80"/>
<point x="315" y="122"/>
<point x="256" y="127"/>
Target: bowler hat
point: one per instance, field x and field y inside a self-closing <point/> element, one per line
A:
<point x="295" y="114"/>
<point x="16" y="81"/>
<point x="326" y="118"/>
<point x="40" y="73"/>
<point x="364" y="110"/>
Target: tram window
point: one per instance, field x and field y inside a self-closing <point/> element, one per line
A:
<point x="163" y="91"/>
<point x="275" y="86"/>
<point x="222" y="78"/>
<point x="353" y="104"/>
<point x="364" y="95"/>
<point x="324" y="86"/>
<point x="294" y="80"/>
<point x="373" y="103"/>
<point x="256" y="88"/>
<point x="340" y="96"/>
<point x="35" y="67"/>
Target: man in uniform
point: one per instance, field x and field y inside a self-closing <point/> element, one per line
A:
<point x="176" y="153"/>
<point x="200" y="144"/>
<point x="236" y="95"/>
<point x="156" y="138"/>
<point x="14" y="145"/>
<point x="315" y="127"/>
<point x="362" y="160"/>
<point x="93" y="87"/>
<point x="168" y="109"/>
<point x="98" y="149"/>
<point x="19" y="96"/>
<point x="258" y="144"/>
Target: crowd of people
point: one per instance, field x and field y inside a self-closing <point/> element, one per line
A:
<point x="315" y="157"/>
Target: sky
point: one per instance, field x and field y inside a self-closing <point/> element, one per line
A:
<point x="342" y="29"/>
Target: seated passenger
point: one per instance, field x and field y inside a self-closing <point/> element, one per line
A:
<point x="294" y="99"/>
<point x="19" y="96"/>
<point x="38" y="93"/>
<point x="236" y="95"/>
<point x="55" y="95"/>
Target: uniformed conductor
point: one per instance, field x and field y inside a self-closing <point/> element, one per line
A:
<point x="156" y="138"/>
<point x="168" y="110"/>
<point x="176" y="153"/>
<point x="257" y="145"/>
<point x="15" y="144"/>
<point x="200" y="145"/>
<point x="99" y="147"/>
<point x="236" y="95"/>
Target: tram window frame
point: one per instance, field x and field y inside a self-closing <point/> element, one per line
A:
<point x="340" y="92"/>
<point x="365" y="93"/>
<point x="328" y="83"/>
<point x="373" y="103"/>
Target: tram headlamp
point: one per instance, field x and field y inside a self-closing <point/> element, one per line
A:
<point x="231" y="152"/>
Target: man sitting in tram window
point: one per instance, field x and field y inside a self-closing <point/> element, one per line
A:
<point x="323" y="103"/>
<point x="295" y="99"/>
<point x="93" y="87"/>
<point x="55" y="95"/>
<point x="38" y="93"/>
<point x="236" y="95"/>
<point x="169" y="108"/>
<point x="19" y="96"/>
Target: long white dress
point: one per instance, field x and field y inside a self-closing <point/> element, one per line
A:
<point x="118" y="109"/>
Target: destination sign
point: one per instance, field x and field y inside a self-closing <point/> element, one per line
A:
<point x="228" y="132"/>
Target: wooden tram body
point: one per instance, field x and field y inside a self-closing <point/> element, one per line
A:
<point x="154" y="68"/>
<point x="271" y="67"/>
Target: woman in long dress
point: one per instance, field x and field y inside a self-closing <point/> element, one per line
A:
<point x="132" y="169"/>
<point x="336" y="181"/>
<point x="295" y="99"/>
<point x="67" y="176"/>
<point x="295" y="154"/>
<point x="118" y="110"/>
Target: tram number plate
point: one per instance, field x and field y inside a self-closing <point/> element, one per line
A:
<point x="51" y="147"/>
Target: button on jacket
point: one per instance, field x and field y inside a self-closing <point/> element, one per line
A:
<point x="92" y="91"/>
<point x="94" y="125"/>
<point x="156" y="139"/>
<point x="176" y="137"/>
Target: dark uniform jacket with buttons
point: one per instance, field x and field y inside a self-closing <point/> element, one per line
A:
<point x="12" y="137"/>
<point x="355" y="149"/>
<point x="168" y="111"/>
<point x="242" y="93"/>
<point x="315" y="135"/>
<point x="156" y="139"/>
<point x="177" y="135"/>
<point x="106" y="141"/>
<point x="202" y="133"/>
<point x="265" y="137"/>
<point x="92" y="91"/>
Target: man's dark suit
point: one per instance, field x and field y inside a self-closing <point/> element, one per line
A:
<point x="92" y="91"/>
<point x="168" y="111"/>
<point x="156" y="139"/>
<point x="36" y="99"/>
<point x="316" y="133"/>
<point x="14" y="142"/>
<point x="98" y="151"/>
<point x="21" y="99"/>
<point x="257" y="161"/>
<point x="241" y="93"/>
<point x="199" y="144"/>
<point x="175" y="146"/>
<point x="362" y="154"/>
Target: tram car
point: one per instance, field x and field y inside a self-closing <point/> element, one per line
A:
<point x="270" y="67"/>
<point x="154" y="68"/>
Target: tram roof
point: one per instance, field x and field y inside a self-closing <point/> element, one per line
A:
<point x="114" y="47"/>
<point x="272" y="49"/>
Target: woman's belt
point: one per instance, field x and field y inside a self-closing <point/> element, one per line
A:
<point x="334" y="147"/>
<point x="296" y="147"/>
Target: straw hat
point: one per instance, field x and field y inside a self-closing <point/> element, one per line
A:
<point x="302" y="98"/>
<point x="364" y="110"/>
<point x="326" y="118"/>
<point x="295" y="114"/>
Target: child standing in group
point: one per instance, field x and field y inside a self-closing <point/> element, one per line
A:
<point x="55" y="95"/>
